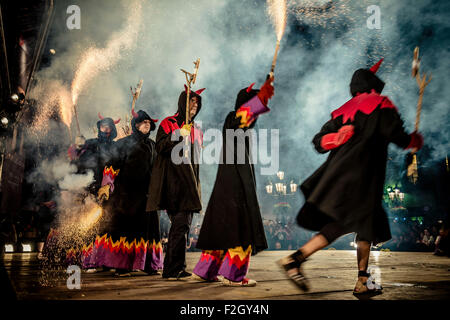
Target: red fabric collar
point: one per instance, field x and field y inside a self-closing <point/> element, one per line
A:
<point x="364" y="102"/>
<point x="170" y="124"/>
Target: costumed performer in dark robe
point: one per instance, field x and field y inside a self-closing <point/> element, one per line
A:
<point x="175" y="183"/>
<point x="95" y="155"/>
<point x="345" y="194"/>
<point x="133" y="238"/>
<point x="232" y="229"/>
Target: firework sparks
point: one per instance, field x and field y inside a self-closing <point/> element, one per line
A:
<point x="96" y="60"/>
<point x="52" y="97"/>
<point x="90" y="218"/>
<point x="277" y="12"/>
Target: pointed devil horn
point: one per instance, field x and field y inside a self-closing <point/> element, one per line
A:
<point x="199" y="91"/>
<point x="250" y="87"/>
<point x="375" y="67"/>
<point x="185" y="88"/>
<point x="117" y="121"/>
<point x="135" y="115"/>
<point x="100" y="116"/>
<point x="155" y="120"/>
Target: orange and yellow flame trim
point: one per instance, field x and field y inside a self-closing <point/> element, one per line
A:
<point x="238" y="256"/>
<point x="123" y="245"/>
<point x="246" y="116"/>
<point x="111" y="172"/>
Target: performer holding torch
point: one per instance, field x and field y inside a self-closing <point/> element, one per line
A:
<point x="345" y="194"/>
<point x="175" y="182"/>
<point x="232" y="229"/>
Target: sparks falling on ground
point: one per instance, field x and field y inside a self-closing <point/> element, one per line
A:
<point x="96" y="60"/>
<point x="277" y="12"/>
<point x="91" y="217"/>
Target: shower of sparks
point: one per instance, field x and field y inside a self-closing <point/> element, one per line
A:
<point x="96" y="60"/>
<point x="78" y="222"/>
<point x="90" y="218"/>
<point x="52" y="97"/>
<point x="338" y="19"/>
<point x="277" y="12"/>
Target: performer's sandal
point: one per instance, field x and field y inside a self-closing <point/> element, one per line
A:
<point x="198" y="278"/>
<point x="366" y="284"/>
<point x="181" y="276"/>
<point x="244" y="283"/>
<point x="293" y="262"/>
<point x="152" y="272"/>
<point x="122" y="273"/>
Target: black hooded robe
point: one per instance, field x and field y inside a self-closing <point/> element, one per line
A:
<point x="98" y="153"/>
<point x="176" y="187"/>
<point x="132" y="240"/>
<point x="348" y="187"/>
<point x="130" y="219"/>
<point x="233" y="216"/>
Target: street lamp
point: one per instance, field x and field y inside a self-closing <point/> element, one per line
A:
<point x="395" y="194"/>
<point x="269" y="188"/>
<point x="293" y="187"/>
<point x="280" y="175"/>
<point x="281" y="188"/>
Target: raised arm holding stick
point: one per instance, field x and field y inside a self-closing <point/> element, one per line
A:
<point x="190" y="80"/>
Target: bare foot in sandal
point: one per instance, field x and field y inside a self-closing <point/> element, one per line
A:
<point x="292" y="265"/>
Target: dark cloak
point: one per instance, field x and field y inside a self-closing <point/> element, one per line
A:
<point x="98" y="153"/>
<point x="176" y="187"/>
<point x="348" y="187"/>
<point x="137" y="155"/>
<point x="233" y="216"/>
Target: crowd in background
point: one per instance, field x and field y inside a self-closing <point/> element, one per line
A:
<point x="406" y="236"/>
<point x="283" y="233"/>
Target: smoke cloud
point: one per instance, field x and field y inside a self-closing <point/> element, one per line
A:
<point x="324" y="43"/>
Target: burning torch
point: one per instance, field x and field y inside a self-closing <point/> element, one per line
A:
<point x="277" y="12"/>
<point x="135" y="94"/>
<point x="422" y="82"/>
<point x="190" y="80"/>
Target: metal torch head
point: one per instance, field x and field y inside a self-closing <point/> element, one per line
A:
<point x="415" y="63"/>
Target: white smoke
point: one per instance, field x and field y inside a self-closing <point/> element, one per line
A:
<point x="235" y="42"/>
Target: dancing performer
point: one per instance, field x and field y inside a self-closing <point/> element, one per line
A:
<point x="175" y="182"/>
<point x="232" y="229"/>
<point x="345" y="194"/>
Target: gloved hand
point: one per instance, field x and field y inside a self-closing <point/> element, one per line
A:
<point x="185" y="130"/>
<point x="103" y="193"/>
<point x="334" y="140"/>
<point x="266" y="92"/>
<point x="416" y="142"/>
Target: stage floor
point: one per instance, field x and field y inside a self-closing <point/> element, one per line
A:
<point x="332" y="274"/>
